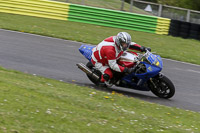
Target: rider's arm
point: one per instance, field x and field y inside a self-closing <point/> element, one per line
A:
<point x="135" y="46"/>
<point x="112" y="61"/>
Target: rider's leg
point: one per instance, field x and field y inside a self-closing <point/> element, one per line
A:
<point x="105" y="70"/>
<point x="106" y="75"/>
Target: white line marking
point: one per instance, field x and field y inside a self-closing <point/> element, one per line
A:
<point x="188" y="70"/>
<point x="193" y="71"/>
<point x="39" y="35"/>
<point x="182" y="62"/>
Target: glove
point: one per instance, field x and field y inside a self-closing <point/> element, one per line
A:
<point x="149" y="49"/>
<point x="129" y="70"/>
<point x="144" y="49"/>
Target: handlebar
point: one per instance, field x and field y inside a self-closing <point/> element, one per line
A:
<point x="143" y="55"/>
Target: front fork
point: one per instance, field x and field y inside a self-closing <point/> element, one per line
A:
<point x="160" y="75"/>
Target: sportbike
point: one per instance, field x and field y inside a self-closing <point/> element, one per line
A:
<point x="146" y="77"/>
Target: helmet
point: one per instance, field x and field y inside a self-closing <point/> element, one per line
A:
<point x="121" y="38"/>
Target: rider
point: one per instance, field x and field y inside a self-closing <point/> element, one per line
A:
<point x="106" y="53"/>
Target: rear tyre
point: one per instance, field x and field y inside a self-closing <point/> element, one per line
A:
<point x="162" y="87"/>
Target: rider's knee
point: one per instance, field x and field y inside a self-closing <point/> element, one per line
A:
<point x="108" y="73"/>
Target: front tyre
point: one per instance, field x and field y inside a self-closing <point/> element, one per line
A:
<point x="162" y="87"/>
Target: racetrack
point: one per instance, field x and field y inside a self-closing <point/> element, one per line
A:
<point x="57" y="58"/>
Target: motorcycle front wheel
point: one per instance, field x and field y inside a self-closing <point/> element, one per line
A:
<point x="162" y="87"/>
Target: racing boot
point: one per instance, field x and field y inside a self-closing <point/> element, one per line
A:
<point x="105" y="81"/>
<point x="105" y="78"/>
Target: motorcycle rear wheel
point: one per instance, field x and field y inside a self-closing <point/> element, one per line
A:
<point x="162" y="87"/>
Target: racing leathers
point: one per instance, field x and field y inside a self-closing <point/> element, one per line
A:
<point x="105" y="55"/>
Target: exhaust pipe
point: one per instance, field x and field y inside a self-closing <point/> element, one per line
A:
<point x="85" y="69"/>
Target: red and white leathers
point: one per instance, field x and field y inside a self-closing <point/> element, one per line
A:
<point x="105" y="55"/>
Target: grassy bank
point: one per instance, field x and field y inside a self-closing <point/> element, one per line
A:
<point x="108" y="4"/>
<point x="167" y="46"/>
<point x="35" y="104"/>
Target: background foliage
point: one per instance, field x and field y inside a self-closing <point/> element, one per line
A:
<point x="190" y="4"/>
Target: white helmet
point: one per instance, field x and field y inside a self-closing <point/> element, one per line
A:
<point x="123" y="37"/>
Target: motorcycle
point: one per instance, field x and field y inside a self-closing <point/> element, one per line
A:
<point x="146" y="77"/>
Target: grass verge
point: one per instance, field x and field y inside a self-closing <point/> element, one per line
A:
<point x="108" y="4"/>
<point x="186" y="50"/>
<point x="35" y="104"/>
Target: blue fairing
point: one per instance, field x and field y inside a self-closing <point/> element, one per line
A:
<point x="152" y="70"/>
<point x="86" y="50"/>
<point x="160" y="61"/>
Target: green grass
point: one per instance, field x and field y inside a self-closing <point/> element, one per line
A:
<point x="186" y="50"/>
<point x="34" y="104"/>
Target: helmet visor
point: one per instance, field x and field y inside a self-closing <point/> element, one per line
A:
<point x="125" y="46"/>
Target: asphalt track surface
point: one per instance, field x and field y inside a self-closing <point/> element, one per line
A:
<point x="57" y="58"/>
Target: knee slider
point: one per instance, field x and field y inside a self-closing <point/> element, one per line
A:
<point x="106" y="77"/>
